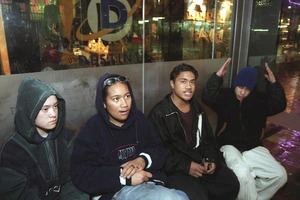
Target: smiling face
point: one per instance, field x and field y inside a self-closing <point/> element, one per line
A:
<point x="183" y="86"/>
<point x="47" y="117"/>
<point x="241" y="92"/>
<point x="118" y="103"/>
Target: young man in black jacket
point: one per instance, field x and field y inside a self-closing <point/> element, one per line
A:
<point x="192" y="161"/>
<point x="242" y="114"/>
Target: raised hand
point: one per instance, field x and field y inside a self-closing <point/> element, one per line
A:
<point x="222" y="71"/>
<point x="270" y="76"/>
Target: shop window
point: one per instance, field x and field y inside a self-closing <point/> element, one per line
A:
<point x="58" y="34"/>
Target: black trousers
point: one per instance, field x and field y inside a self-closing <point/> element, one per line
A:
<point x="223" y="184"/>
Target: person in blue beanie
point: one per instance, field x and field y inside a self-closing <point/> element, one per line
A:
<point x="118" y="154"/>
<point x="242" y="114"/>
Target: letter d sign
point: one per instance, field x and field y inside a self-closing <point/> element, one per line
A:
<point x="110" y="15"/>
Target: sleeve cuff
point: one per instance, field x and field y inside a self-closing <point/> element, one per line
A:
<point x="124" y="181"/>
<point x="147" y="159"/>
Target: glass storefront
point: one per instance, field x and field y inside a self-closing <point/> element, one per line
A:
<point x="288" y="48"/>
<point x="65" y="34"/>
<point x="275" y="31"/>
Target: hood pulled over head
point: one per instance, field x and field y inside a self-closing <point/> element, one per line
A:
<point x="100" y="100"/>
<point x="32" y="95"/>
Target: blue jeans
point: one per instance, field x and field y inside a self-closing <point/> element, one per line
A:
<point x="149" y="191"/>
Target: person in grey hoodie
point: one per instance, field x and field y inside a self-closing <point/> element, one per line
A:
<point x="35" y="160"/>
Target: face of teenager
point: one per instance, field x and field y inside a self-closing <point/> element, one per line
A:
<point x="47" y="117"/>
<point x="183" y="86"/>
<point x="241" y="92"/>
<point x="118" y="103"/>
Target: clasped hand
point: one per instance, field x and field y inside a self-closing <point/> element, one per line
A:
<point x="134" y="169"/>
<point x="197" y="170"/>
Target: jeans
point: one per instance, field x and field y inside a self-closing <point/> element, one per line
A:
<point x="149" y="191"/>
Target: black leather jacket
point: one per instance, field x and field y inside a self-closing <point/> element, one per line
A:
<point x="168" y="122"/>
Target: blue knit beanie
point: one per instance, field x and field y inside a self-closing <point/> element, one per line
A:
<point x="247" y="77"/>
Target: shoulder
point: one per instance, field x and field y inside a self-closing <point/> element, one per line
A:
<point x="12" y="144"/>
<point x="140" y="116"/>
<point x="93" y="126"/>
<point x="66" y="137"/>
<point x="161" y="107"/>
<point x="226" y="93"/>
<point x="14" y="154"/>
<point x="94" y="122"/>
<point x="259" y="96"/>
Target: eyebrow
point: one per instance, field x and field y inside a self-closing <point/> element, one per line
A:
<point x="47" y="105"/>
<point x="185" y="79"/>
<point x="119" y="95"/>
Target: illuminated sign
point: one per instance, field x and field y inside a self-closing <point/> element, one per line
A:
<point x="109" y="20"/>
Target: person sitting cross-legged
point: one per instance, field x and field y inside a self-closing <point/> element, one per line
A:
<point x="242" y="114"/>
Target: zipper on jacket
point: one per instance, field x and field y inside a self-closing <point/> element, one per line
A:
<point x="172" y="113"/>
<point x="51" y="160"/>
<point x="243" y="128"/>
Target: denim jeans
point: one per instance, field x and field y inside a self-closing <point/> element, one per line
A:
<point x="149" y="191"/>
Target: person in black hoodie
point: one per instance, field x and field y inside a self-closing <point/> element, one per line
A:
<point x="192" y="162"/>
<point x="118" y="154"/>
<point x="35" y="160"/>
<point x="242" y="115"/>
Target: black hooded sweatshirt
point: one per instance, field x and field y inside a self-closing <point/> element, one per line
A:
<point x="32" y="167"/>
<point x="102" y="147"/>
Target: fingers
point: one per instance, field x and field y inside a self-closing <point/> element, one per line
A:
<point x="270" y="76"/>
<point x="197" y="174"/>
<point x="128" y="171"/>
<point x="222" y="71"/>
<point x="148" y="174"/>
<point x="211" y="168"/>
<point x="138" y="163"/>
<point x="140" y="177"/>
<point x="226" y="64"/>
<point x="196" y="170"/>
<point x="228" y="61"/>
<point x="267" y="68"/>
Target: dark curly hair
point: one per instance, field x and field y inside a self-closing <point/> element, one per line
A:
<point x="182" y="68"/>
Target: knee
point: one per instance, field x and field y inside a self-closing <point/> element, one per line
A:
<point x="281" y="176"/>
<point x="172" y="194"/>
<point x="228" y="149"/>
<point x="243" y="174"/>
<point x="180" y="195"/>
<point x="231" y="155"/>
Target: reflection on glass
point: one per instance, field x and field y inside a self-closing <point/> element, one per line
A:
<point x="58" y="34"/>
